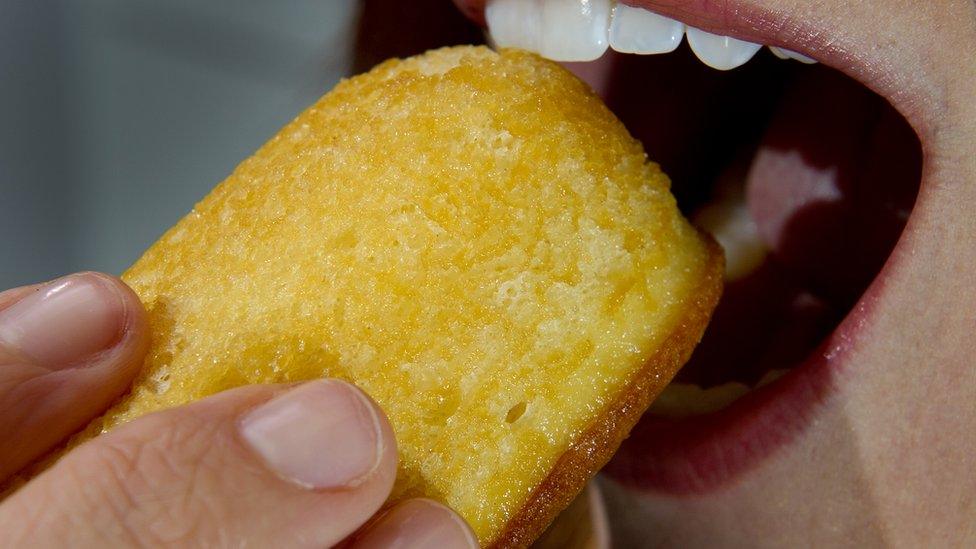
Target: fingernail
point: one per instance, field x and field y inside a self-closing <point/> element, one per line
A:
<point x="323" y="434"/>
<point x="419" y="523"/>
<point x="64" y="321"/>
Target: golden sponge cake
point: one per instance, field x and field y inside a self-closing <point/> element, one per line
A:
<point x="473" y="239"/>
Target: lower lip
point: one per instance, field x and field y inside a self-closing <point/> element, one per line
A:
<point x="701" y="454"/>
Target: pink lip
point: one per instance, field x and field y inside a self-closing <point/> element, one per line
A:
<point x="701" y="454"/>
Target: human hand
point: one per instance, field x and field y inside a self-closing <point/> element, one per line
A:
<point x="282" y="465"/>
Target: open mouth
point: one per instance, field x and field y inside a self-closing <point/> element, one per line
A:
<point x="804" y="175"/>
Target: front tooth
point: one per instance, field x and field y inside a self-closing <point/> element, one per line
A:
<point x="787" y="54"/>
<point x="562" y="30"/>
<point x="720" y="52"/>
<point x="636" y="30"/>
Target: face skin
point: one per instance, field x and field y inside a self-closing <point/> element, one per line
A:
<point x="884" y="455"/>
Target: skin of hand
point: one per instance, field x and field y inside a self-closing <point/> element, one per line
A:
<point x="888" y="459"/>
<point x="305" y="465"/>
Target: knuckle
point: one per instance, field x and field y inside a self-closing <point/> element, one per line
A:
<point x="158" y="485"/>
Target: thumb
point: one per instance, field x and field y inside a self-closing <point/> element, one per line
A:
<point x="262" y="465"/>
<point x="67" y="350"/>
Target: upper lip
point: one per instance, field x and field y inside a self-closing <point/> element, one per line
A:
<point x="833" y="41"/>
<point x="875" y="55"/>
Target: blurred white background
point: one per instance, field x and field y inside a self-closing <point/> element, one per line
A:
<point x="116" y="116"/>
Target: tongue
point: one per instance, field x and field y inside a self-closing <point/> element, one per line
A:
<point x="832" y="184"/>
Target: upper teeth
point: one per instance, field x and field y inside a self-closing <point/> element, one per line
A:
<point x="582" y="30"/>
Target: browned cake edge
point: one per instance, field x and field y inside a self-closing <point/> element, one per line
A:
<point x="597" y="444"/>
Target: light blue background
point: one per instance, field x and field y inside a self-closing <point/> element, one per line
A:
<point x="116" y="116"/>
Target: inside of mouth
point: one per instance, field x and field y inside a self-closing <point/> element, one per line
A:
<point x="804" y="176"/>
